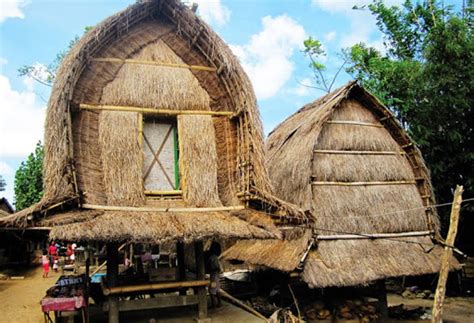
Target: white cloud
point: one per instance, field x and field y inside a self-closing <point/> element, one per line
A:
<point x="303" y="88"/>
<point x="361" y="22"/>
<point x="5" y="169"/>
<point x="213" y="11"/>
<point x="39" y="72"/>
<point x="11" y="9"/>
<point x="330" y="36"/>
<point x="22" y="121"/>
<point x="267" y="56"/>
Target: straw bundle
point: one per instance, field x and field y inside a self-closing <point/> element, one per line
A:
<point x="359" y="262"/>
<point x="158" y="227"/>
<point x="121" y="157"/>
<point x="156" y="86"/>
<point x="198" y="160"/>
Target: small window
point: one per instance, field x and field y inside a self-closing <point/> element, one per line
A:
<point x="160" y="155"/>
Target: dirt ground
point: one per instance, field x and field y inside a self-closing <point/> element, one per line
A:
<point x="456" y="309"/>
<point x="19" y="301"/>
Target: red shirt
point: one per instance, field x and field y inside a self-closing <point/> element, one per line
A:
<point x="52" y="250"/>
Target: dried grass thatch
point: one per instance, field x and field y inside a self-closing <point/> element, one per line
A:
<point x="122" y="158"/>
<point x="158" y="227"/>
<point x="347" y="138"/>
<point x="198" y="160"/>
<point x="156" y="86"/>
<point x="284" y="255"/>
<point x="368" y="209"/>
<point x="359" y="262"/>
<point x="94" y="154"/>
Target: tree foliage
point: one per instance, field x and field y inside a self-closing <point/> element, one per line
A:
<point x="314" y="50"/>
<point x="426" y="77"/>
<point x="29" y="179"/>
<point x="2" y="183"/>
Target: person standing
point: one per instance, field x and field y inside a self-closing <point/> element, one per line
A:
<point x="52" y="252"/>
<point x="45" y="264"/>
<point x="214" y="271"/>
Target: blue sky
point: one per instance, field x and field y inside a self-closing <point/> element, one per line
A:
<point x="266" y="35"/>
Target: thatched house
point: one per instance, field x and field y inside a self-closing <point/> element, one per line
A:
<point x="153" y="135"/>
<point x="346" y="159"/>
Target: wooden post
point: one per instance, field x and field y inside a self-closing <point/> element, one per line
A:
<point x="382" y="303"/>
<point x="448" y="252"/>
<point x="181" y="266"/>
<point x="112" y="280"/>
<point x="201" y="274"/>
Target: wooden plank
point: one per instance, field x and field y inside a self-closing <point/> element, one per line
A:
<point x="154" y="287"/>
<point x="153" y="111"/>
<point x="358" y="152"/>
<point x="175" y="192"/>
<point x="362" y="183"/>
<point x="154" y="63"/>
<point x="374" y="235"/>
<point x="157" y="302"/>
<point x="355" y="123"/>
<point x="156" y="209"/>
<point x="448" y="253"/>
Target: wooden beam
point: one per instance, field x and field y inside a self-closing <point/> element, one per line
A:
<point x="448" y="253"/>
<point x="26" y="229"/>
<point x="355" y="123"/>
<point x="157" y="302"/>
<point x="153" y="287"/>
<point x="175" y="192"/>
<point x="362" y="183"/>
<point x="358" y="152"/>
<point x="102" y="107"/>
<point x="200" y="274"/>
<point x="374" y="235"/>
<point x="156" y="209"/>
<point x="155" y="63"/>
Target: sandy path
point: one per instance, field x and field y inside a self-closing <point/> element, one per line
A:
<point x="19" y="299"/>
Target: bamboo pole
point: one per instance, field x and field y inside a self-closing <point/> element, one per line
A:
<point x="144" y="110"/>
<point x="448" y="253"/>
<point x="157" y="286"/>
<point x="374" y="235"/>
<point x="175" y="192"/>
<point x="235" y="301"/>
<point x="105" y="262"/>
<point x="363" y="183"/>
<point x="156" y="209"/>
<point x="155" y="63"/>
<point x="358" y="152"/>
<point x="355" y="123"/>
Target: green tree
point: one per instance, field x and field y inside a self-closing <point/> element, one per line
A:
<point x="426" y="77"/>
<point x="28" y="184"/>
<point x="2" y="184"/>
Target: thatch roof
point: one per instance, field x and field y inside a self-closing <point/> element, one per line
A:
<point x="95" y="156"/>
<point x="346" y="159"/>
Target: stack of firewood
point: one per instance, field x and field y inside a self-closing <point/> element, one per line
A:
<point x="348" y="311"/>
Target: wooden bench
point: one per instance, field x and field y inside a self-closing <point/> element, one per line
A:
<point x="199" y="298"/>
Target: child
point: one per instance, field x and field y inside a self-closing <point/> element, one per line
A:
<point x="55" y="264"/>
<point x="45" y="263"/>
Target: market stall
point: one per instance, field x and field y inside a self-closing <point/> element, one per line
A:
<point x="68" y="297"/>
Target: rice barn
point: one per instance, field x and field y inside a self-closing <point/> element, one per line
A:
<point x="347" y="160"/>
<point x="153" y="136"/>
